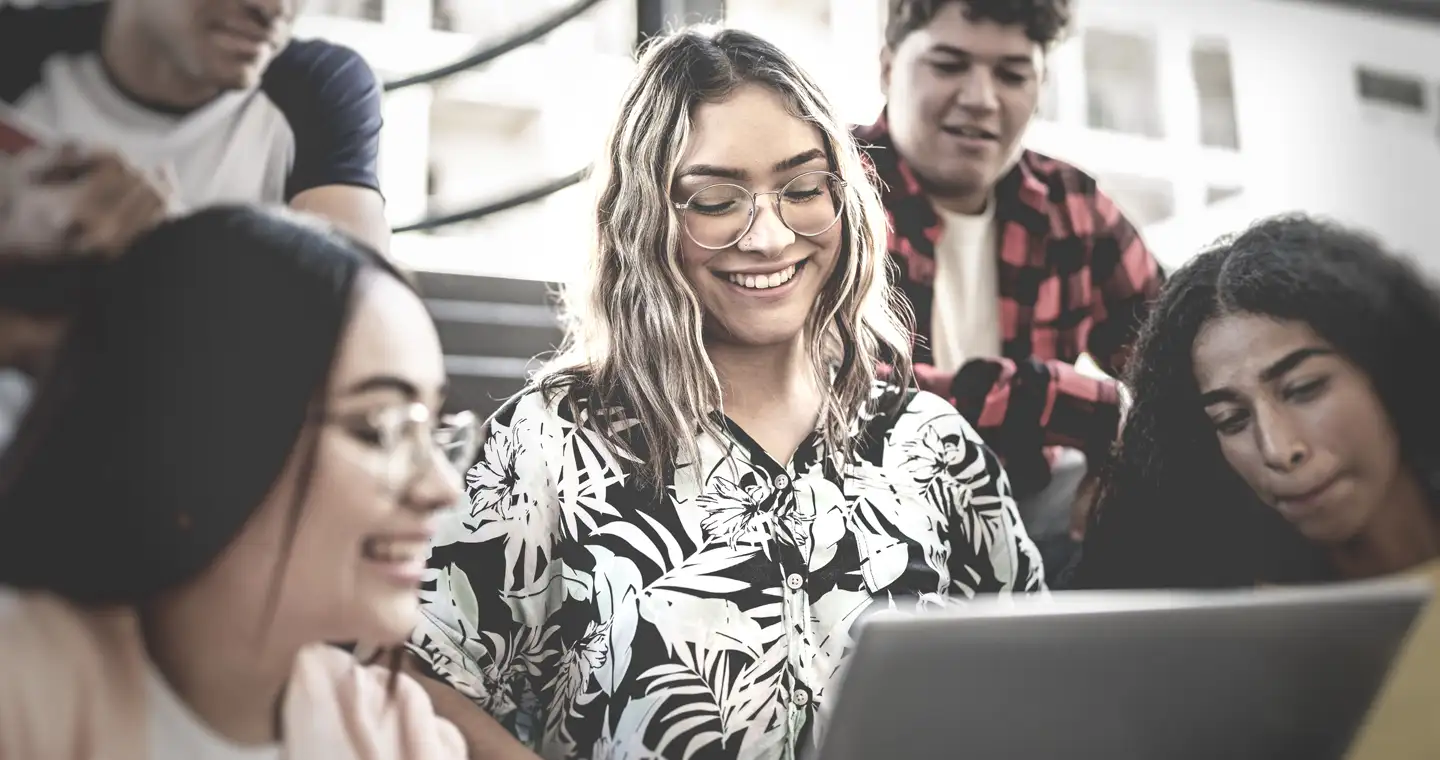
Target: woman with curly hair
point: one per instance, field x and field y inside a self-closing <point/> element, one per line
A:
<point x="1284" y="424"/>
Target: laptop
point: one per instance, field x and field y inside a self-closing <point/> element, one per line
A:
<point x="1241" y="675"/>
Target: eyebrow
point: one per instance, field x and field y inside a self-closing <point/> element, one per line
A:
<point x="959" y="52"/>
<point x="725" y="172"/>
<point x="384" y="383"/>
<point x="1269" y="374"/>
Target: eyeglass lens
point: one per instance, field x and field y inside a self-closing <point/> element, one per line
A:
<point x="719" y="215"/>
<point x="415" y="443"/>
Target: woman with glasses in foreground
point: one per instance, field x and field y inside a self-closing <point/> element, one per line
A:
<point x="232" y="460"/>
<point x="670" y="534"/>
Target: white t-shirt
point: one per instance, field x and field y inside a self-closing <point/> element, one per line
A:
<point x="176" y="733"/>
<point x="965" y="318"/>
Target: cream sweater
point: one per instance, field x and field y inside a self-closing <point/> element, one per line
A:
<point x="72" y="687"/>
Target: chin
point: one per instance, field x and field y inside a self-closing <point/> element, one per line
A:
<point x="759" y="336"/>
<point x="229" y="77"/>
<point x="1327" y="532"/>
<point x="389" y="622"/>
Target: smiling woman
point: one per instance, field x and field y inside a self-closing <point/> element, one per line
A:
<point x="671" y="534"/>
<point x="230" y="463"/>
<point x="1284" y="429"/>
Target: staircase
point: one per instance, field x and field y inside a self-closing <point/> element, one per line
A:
<point x="492" y="329"/>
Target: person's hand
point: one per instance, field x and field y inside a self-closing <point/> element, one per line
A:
<point x="71" y="200"/>
<point x="1086" y="495"/>
<point x="112" y="202"/>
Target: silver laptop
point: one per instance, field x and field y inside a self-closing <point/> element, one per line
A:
<point x="1272" y="674"/>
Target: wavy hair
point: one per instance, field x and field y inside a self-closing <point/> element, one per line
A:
<point x="1172" y="512"/>
<point x="634" y="333"/>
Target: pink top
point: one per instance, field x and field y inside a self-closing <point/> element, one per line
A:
<point x="73" y="687"/>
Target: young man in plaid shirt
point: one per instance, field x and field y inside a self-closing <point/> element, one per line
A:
<point x="1015" y="263"/>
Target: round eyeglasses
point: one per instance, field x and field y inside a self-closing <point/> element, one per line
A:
<point x="718" y="216"/>
<point x="410" y="439"/>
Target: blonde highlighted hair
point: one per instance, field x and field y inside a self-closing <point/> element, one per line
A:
<point x="634" y="349"/>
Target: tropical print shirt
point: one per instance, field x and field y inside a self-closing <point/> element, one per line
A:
<point x="598" y="618"/>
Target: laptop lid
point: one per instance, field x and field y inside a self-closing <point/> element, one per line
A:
<point x="1134" y="676"/>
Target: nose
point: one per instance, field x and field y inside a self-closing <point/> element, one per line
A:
<point x="1281" y="445"/>
<point x="768" y="234"/>
<point x="977" y="90"/>
<point x="438" y="485"/>
<point x="267" y="12"/>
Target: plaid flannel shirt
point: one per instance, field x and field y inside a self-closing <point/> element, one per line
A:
<point x="1075" y="277"/>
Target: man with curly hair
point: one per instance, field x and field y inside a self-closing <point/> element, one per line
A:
<point x="1014" y="263"/>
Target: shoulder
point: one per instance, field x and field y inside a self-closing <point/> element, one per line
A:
<point x="527" y="434"/>
<point x="317" y="68"/>
<point x="31" y="33"/>
<point x="1058" y="176"/>
<point x="36" y="626"/>
<point x="914" y="414"/>
<point x="320" y="85"/>
<point x="1076" y="201"/>
<point x="83" y="666"/>
<point x="539" y="407"/>
<point x="377" y="706"/>
<point x="331" y="101"/>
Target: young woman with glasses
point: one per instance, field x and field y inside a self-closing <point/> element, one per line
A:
<point x="670" y="534"/>
<point x="235" y="457"/>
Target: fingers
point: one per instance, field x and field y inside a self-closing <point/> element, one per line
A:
<point x="67" y="164"/>
<point x="114" y="203"/>
<point x="127" y="217"/>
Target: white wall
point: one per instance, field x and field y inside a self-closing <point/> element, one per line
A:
<point x="1307" y="142"/>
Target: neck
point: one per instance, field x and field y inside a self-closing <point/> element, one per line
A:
<point x="1403" y="534"/>
<point x="969" y="204"/>
<point x="229" y="671"/>
<point x="756" y="380"/>
<point x="140" y="67"/>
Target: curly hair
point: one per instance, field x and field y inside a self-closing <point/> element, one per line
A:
<point x="1046" y="21"/>
<point x="1172" y="512"/>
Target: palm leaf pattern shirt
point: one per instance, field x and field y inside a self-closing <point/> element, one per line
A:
<point x="597" y="619"/>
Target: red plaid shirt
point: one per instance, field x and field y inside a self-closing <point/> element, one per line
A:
<point x="1075" y="278"/>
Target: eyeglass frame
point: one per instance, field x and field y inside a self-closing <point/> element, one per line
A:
<point x="417" y="412"/>
<point x="840" y="185"/>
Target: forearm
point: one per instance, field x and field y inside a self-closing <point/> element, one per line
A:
<point x="485" y="738"/>
<point x="1019" y="407"/>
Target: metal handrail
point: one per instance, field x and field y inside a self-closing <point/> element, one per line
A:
<point x="495" y="207"/>
<point x="479" y="58"/>
<point x="492" y="51"/>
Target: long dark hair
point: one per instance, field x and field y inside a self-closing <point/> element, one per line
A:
<point x="184" y="385"/>
<point x="1172" y="512"/>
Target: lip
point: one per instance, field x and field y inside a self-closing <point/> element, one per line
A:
<point x="244" y="42"/>
<point x="772" y="269"/>
<point x="768" y="294"/>
<point x="407" y="573"/>
<point x="972" y="144"/>
<point x="1301" y="503"/>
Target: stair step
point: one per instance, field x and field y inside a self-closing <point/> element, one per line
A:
<point x="483" y="340"/>
<point x="467" y="287"/>
<point x="482" y="383"/>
